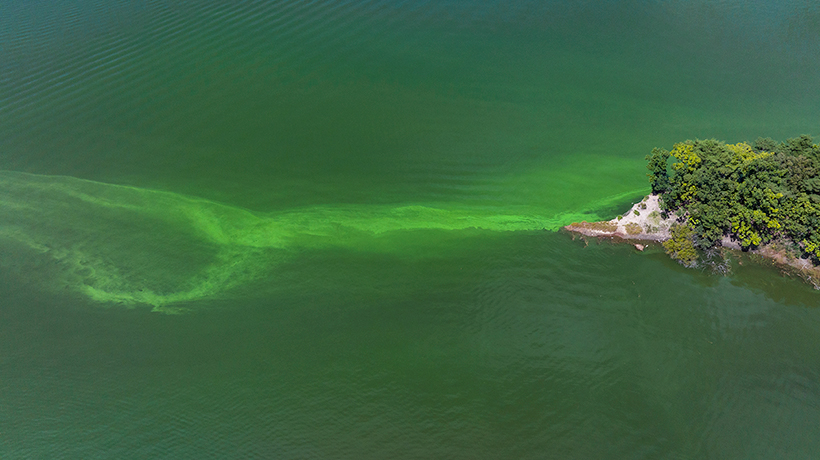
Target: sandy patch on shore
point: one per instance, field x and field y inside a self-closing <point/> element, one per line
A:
<point x="644" y="221"/>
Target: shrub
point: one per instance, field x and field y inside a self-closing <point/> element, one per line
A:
<point x="681" y="246"/>
<point x="633" y="229"/>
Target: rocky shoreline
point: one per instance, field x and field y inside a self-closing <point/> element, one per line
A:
<point x="645" y="223"/>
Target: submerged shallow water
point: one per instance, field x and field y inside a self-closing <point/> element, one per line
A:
<point x="353" y="210"/>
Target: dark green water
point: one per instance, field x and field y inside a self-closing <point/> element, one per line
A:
<point x="328" y="229"/>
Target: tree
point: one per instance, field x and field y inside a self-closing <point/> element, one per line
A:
<point x="658" y="174"/>
<point x="753" y="194"/>
<point x="681" y="246"/>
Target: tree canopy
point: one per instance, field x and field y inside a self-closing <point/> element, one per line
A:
<point x="753" y="193"/>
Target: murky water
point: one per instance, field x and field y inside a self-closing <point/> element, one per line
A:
<point x="329" y="229"/>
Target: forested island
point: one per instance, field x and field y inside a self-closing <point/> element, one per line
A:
<point x="761" y="197"/>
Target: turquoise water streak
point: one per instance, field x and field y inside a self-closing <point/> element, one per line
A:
<point x="355" y="204"/>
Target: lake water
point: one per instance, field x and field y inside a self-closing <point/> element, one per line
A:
<point x="330" y="229"/>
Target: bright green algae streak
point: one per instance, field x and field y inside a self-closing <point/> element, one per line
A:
<point x="132" y="245"/>
<point x="319" y="124"/>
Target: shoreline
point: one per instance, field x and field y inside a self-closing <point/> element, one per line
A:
<point x="644" y="223"/>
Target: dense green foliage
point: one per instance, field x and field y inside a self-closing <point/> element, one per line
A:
<point x="681" y="246"/>
<point x="658" y="176"/>
<point x="754" y="193"/>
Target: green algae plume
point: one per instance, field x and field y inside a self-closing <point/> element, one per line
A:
<point x="127" y="245"/>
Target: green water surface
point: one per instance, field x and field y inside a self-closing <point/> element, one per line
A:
<point x="330" y="229"/>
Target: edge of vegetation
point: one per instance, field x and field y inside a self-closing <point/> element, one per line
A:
<point x="741" y="194"/>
